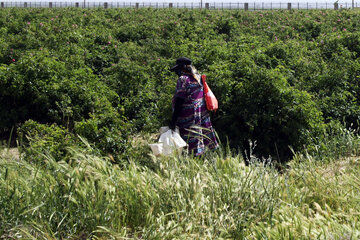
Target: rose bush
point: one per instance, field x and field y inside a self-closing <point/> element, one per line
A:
<point x="279" y="76"/>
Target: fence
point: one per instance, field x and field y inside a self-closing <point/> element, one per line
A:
<point x="206" y="5"/>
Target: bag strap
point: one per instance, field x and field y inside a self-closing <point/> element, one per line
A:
<point x="205" y="86"/>
<point x="203" y="78"/>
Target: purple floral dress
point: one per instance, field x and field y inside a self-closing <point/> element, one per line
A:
<point x="194" y="120"/>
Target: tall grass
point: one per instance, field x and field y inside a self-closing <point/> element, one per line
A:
<point x="180" y="198"/>
<point x="337" y="141"/>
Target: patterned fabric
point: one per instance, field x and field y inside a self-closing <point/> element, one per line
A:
<point x="194" y="120"/>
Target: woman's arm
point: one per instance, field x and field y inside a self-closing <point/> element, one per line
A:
<point x="177" y="110"/>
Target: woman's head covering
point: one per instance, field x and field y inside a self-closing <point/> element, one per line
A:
<point x="180" y="63"/>
<point x="183" y="65"/>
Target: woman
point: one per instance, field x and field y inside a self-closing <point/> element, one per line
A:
<point x="189" y="109"/>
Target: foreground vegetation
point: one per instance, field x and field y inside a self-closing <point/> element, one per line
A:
<point x="87" y="196"/>
<point x="179" y="198"/>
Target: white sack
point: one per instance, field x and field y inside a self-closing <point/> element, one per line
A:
<point x="156" y="148"/>
<point x="168" y="142"/>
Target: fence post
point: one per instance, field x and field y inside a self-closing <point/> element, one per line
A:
<point x="77" y="4"/>
<point x="105" y="5"/>
<point x="336" y="6"/>
<point x="207" y="5"/>
<point x="170" y="5"/>
<point x="246" y="6"/>
<point x="2" y="5"/>
<point x="137" y="5"/>
<point x="25" y="4"/>
<point x="289" y="6"/>
<point x="50" y="4"/>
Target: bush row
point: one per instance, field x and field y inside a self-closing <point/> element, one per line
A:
<point x="280" y="76"/>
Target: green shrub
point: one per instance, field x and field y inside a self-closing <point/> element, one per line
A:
<point x="91" y="67"/>
<point x="107" y="131"/>
<point x="40" y="140"/>
<point x="265" y="109"/>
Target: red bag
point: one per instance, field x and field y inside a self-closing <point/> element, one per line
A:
<point x="210" y="99"/>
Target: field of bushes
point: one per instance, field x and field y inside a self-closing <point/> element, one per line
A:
<point x="282" y="78"/>
<point x="82" y="92"/>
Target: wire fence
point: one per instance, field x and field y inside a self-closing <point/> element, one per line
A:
<point x="197" y="5"/>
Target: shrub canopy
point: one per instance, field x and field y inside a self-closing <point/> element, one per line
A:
<point x="279" y="76"/>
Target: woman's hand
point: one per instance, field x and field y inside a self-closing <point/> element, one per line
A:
<point x="176" y="113"/>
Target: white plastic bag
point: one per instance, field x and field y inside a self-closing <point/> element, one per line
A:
<point x="168" y="142"/>
<point x="156" y="148"/>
